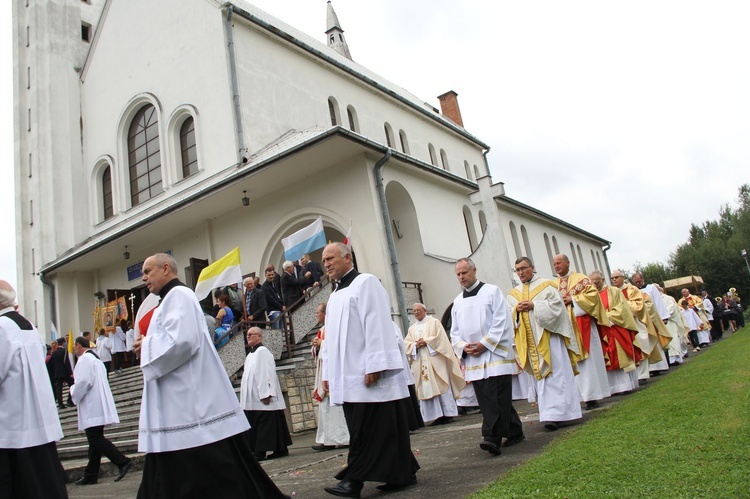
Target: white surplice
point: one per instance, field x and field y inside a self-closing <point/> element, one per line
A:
<point x="484" y="318"/>
<point x="360" y="341"/>
<point x="28" y="416"/>
<point x="91" y="393"/>
<point x="104" y="348"/>
<point x="188" y="400"/>
<point x="260" y="381"/>
<point x="118" y="340"/>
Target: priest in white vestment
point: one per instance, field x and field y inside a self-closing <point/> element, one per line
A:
<point x="362" y="370"/>
<point x="659" y="316"/>
<point x="96" y="409"/>
<point x="191" y="427"/>
<point x="262" y="400"/>
<point x="434" y="366"/>
<point x="676" y="326"/>
<point x="693" y="323"/>
<point x="546" y="344"/>
<point x="586" y="311"/>
<point x="332" y="430"/>
<point x="29" y="426"/>
<point x="482" y="334"/>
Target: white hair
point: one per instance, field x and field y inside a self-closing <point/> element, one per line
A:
<point x="286" y="264"/>
<point x="7" y="295"/>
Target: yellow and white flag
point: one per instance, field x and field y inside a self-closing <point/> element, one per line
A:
<point x="222" y="272"/>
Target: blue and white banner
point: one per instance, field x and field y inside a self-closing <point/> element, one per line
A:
<point x="304" y="240"/>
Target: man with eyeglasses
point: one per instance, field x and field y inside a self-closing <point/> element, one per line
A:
<point x="586" y="311"/>
<point x="545" y="341"/>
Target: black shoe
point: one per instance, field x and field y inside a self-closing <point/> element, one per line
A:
<point x="124" y="470"/>
<point x="643" y="382"/>
<point x="389" y="487"/>
<point x="345" y="488"/>
<point x="442" y="420"/>
<point x="86" y="481"/>
<point x="591" y="404"/>
<point x="322" y="448"/>
<point x="511" y="441"/>
<point x="462" y="411"/>
<point x="278" y="454"/>
<point x="552" y="425"/>
<point x="490" y="447"/>
<point x="260" y="456"/>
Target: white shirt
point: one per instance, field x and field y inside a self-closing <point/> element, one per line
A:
<point x="118" y="340"/>
<point x="104" y="348"/>
<point x="91" y="393"/>
<point x="129" y="339"/>
<point x="360" y="341"/>
<point x="188" y="400"/>
<point x="709" y="308"/>
<point x="260" y="381"/>
<point x="28" y="416"/>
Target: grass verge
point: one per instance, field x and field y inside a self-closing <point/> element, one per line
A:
<point x="686" y="436"/>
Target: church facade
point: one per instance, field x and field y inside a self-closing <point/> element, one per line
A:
<point x="236" y="130"/>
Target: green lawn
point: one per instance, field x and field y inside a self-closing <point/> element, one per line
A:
<point x="687" y="435"/>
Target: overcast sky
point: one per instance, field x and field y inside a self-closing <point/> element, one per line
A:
<point x="630" y="120"/>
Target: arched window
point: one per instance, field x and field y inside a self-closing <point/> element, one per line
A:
<point x="444" y="160"/>
<point x="333" y="109"/>
<point x="580" y="258"/>
<point x="389" y="140"/>
<point x="554" y="245"/>
<point x="404" y="142"/>
<point x="514" y="237"/>
<point x="468" y="170"/>
<point x="187" y="147"/>
<point x="107" y="202"/>
<point x="433" y="154"/>
<point x="351" y="113"/>
<point x="526" y="244"/>
<point x="599" y="261"/>
<point x="550" y="256"/>
<point x="476" y="172"/>
<point x="470" y="231"/>
<point x="144" y="156"/>
<point x="482" y="221"/>
<point x="574" y="257"/>
<point x="593" y="259"/>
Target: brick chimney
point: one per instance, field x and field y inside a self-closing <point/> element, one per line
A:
<point x="449" y="107"/>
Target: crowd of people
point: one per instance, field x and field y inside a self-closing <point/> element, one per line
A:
<point x="564" y="343"/>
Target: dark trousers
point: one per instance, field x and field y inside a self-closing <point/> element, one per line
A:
<point x="693" y="337"/>
<point x="117" y="358"/>
<point x="31" y="473"/>
<point x="59" y="387"/>
<point x="98" y="445"/>
<point x="107" y="365"/>
<point x="499" y="417"/>
<point x="715" y="329"/>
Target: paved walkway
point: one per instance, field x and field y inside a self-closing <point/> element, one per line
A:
<point x="452" y="464"/>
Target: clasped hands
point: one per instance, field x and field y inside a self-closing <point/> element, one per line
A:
<point x="474" y="349"/>
<point x="525" y="306"/>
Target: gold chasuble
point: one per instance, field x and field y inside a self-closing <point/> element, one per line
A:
<point x="637" y="303"/>
<point x="586" y="296"/>
<point x="533" y="328"/>
<point x="621" y="352"/>
<point x="435" y="368"/>
<point x="664" y="335"/>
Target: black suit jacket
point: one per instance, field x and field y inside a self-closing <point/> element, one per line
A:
<point x="316" y="271"/>
<point x="291" y="288"/>
<point x="273" y="297"/>
<point x="60" y="364"/>
<point x="258" y="305"/>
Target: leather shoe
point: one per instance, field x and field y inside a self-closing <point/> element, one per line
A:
<point x="510" y="441"/>
<point x="124" y="470"/>
<point x="552" y="425"/>
<point x="591" y="404"/>
<point x="389" y="487"/>
<point x="490" y="447"/>
<point x="345" y="488"/>
<point x="86" y="481"/>
<point x="321" y="448"/>
<point x="278" y="454"/>
<point x="442" y="420"/>
<point x="260" y="456"/>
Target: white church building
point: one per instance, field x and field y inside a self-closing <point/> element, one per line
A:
<point x="236" y="130"/>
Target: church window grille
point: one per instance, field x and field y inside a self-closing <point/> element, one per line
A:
<point x="144" y="156"/>
<point x="351" y="114"/>
<point x="444" y="160"/>
<point x="188" y="148"/>
<point x="333" y="109"/>
<point x="107" y="200"/>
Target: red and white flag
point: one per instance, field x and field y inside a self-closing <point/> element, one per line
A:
<point x="348" y="238"/>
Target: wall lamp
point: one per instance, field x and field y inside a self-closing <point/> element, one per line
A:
<point x="245" y="199"/>
<point x="126" y="255"/>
